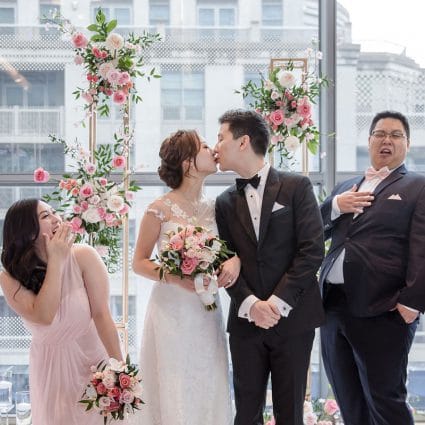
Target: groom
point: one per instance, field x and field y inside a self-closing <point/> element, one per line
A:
<point x="271" y="219"/>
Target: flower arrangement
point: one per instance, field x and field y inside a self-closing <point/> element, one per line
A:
<point x="286" y="103"/>
<point x="195" y="252"/>
<point x="318" y="412"/>
<point x="93" y="203"/>
<point x="114" y="390"/>
<point x="111" y="62"/>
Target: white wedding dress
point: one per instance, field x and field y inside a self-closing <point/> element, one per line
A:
<point x="183" y="361"/>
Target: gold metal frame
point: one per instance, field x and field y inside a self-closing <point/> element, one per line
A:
<point x="121" y="326"/>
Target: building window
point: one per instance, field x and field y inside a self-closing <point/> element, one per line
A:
<point x="7" y="15"/>
<point x="48" y="11"/>
<point x="159" y="12"/>
<point x="182" y="95"/>
<point x="26" y="157"/>
<point x="213" y="15"/>
<point x="271" y="15"/>
<point x="119" y="11"/>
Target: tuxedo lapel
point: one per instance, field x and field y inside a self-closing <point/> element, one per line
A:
<point x="242" y="213"/>
<point x="392" y="178"/>
<point x="271" y="191"/>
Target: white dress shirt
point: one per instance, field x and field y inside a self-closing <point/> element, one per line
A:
<point x="254" y="199"/>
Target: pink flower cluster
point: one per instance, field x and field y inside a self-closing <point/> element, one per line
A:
<point x="196" y="249"/>
<point x="114" y="389"/>
<point x="285" y="100"/>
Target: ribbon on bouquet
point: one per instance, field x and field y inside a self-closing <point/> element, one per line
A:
<point x="206" y="293"/>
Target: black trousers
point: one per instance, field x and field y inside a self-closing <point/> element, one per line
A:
<point x="366" y="362"/>
<point x="287" y="359"/>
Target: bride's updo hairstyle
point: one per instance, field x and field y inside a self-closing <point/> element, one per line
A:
<point x="181" y="146"/>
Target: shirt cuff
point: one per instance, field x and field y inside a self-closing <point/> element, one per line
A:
<point x="283" y="307"/>
<point x="336" y="212"/>
<point x="245" y="307"/>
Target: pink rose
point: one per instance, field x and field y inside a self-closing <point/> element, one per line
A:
<point x="310" y="419"/>
<point x="113" y="75"/>
<point x="108" y="92"/>
<point x="90" y="168"/>
<point x="78" y="60"/>
<point x="101" y="389"/>
<point x="87" y="97"/>
<point x="103" y="181"/>
<point x="76" y="223"/>
<point x="75" y="191"/>
<point x="114" y="392"/>
<point x="188" y="265"/>
<point x="330" y="407"/>
<point x="176" y="242"/>
<point x="124" y="210"/>
<point x="125" y="380"/>
<point x="96" y="52"/>
<point x="124" y="78"/>
<point x="41" y="175"/>
<point x="86" y="190"/>
<point x="127" y="397"/>
<point x="114" y="406"/>
<point x="76" y="209"/>
<point x="84" y="205"/>
<point x="79" y="40"/>
<point x="129" y="196"/>
<point x="118" y="161"/>
<point x="119" y="97"/>
<point x="304" y="108"/>
<point x="276" y="117"/>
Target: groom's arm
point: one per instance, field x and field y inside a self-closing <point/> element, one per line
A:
<point x="309" y="248"/>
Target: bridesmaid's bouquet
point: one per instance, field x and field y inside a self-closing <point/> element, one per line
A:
<point x="114" y="389"/>
<point x="195" y="252"/>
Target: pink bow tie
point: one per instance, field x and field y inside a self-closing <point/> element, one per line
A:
<point x="371" y="173"/>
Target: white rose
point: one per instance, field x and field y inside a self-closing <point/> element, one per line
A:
<point x="105" y="68"/>
<point x="104" y="402"/>
<point x="91" y="392"/>
<point x="91" y="215"/>
<point x="109" y="380"/>
<point x="292" y="143"/>
<point x="216" y="246"/>
<point x="275" y="95"/>
<point x="116" y="365"/>
<point x="286" y="78"/>
<point x="115" y="203"/>
<point x="114" y="41"/>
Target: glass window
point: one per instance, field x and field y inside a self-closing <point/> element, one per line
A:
<point x="7" y="15"/>
<point x="271" y="13"/>
<point x="48" y="11"/>
<point x="159" y="12"/>
<point x="182" y="95"/>
<point x="119" y="12"/>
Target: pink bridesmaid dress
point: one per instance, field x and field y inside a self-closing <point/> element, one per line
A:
<point x="61" y="355"/>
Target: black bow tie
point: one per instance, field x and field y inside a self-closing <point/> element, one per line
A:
<point x="253" y="181"/>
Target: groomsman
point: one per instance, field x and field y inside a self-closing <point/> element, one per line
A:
<point x="374" y="279"/>
<point x="272" y="220"/>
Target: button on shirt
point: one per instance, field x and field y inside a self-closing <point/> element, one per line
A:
<point x="254" y="199"/>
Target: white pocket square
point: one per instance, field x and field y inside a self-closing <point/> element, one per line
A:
<point x="277" y="207"/>
<point x="395" y="197"/>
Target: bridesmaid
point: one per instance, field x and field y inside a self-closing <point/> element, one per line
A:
<point x="61" y="291"/>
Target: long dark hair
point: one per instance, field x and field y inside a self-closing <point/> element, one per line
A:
<point x="19" y="257"/>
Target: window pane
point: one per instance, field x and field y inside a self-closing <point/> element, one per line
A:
<point x="227" y="17"/>
<point x="14" y="96"/>
<point x="206" y="17"/>
<point x="159" y="13"/>
<point x="7" y="15"/>
<point x="123" y="15"/>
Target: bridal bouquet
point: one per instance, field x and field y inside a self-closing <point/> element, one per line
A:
<point x="114" y="390"/>
<point x="195" y="252"/>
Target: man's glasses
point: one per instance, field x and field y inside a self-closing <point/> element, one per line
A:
<point x="395" y="136"/>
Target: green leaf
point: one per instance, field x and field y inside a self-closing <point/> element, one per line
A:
<point x="111" y="25"/>
<point x="92" y="27"/>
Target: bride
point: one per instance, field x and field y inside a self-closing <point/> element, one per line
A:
<point x="183" y="360"/>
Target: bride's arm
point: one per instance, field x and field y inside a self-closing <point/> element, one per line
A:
<point x="149" y="233"/>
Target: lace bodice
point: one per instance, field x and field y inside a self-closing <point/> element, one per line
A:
<point x="168" y="211"/>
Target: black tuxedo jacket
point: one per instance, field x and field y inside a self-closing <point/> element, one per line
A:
<point x="384" y="259"/>
<point x="285" y="259"/>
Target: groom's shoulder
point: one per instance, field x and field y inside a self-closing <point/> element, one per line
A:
<point x="290" y="177"/>
<point x="226" y="194"/>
